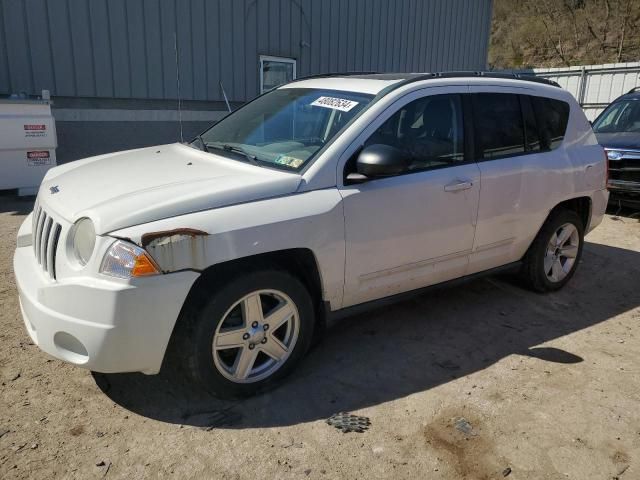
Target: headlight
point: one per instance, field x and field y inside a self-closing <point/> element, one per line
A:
<point x="614" y="155"/>
<point x="126" y="260"/>
<point x="84" y="240"/>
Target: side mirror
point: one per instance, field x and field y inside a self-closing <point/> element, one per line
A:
<point x="377" y="161"/>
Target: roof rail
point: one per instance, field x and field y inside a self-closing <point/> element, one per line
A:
<point x="489" y="74"/>
<point x="415" y="77"/>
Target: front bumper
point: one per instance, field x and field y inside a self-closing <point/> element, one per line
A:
<point x="624" y="186"/>
<point x="98" y="323"/>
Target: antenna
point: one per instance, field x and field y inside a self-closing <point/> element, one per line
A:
<point x="224" y="94"/>
<point x="175" y="47"/>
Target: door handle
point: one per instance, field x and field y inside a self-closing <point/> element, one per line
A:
<point x="458" y="185"/>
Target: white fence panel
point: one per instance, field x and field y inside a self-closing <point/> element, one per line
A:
<point x="594" y="86"/>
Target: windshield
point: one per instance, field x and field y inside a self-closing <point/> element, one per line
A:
<point x="284" y="128"/>
<point x="623" y="116"/>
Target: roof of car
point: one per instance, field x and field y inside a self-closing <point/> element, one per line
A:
<point x="633" y="94"/>
<point x="373" y="82"/>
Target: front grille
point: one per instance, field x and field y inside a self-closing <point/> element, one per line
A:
<point x="627" y="167"/>
<point x="627" y="170"/>
<point x="46" y="233"/>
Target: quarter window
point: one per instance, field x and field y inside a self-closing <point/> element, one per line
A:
<point x="552" y="116"/>
<point x="498" y="125"/>
<point x="429" y="129"/>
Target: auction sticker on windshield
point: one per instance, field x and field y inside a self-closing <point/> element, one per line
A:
<point x="334" y="103"/>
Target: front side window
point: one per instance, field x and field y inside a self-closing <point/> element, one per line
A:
<point x="498" y="125"/>
<point x="429" y="130"/>
<point x="284" y="128"/>
<point x="622" y="116"/>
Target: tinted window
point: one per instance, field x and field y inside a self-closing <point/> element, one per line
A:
<point x="552" y="116"/>
<point x="530" y="125"/>
<point x="429" y="130"/>
<point x="498" y="125"/>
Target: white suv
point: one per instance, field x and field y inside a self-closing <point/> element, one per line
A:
<point x="324" y="194"/>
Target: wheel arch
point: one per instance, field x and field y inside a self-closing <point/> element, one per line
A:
<point x="581" y="205"/>
<point x="299" y="262"/>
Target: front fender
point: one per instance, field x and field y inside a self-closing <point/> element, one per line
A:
<point x="196" y="241"/>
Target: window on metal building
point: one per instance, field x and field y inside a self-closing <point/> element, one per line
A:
<point x="275" y="71"/>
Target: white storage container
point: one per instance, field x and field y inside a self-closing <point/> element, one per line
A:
<point x="27" y="144"/>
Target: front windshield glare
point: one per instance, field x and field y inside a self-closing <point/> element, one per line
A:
<point x="284" y="128"/>
<point x="623" y="116"/>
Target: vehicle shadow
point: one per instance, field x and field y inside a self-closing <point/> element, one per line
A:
<point x="406" y="348"/>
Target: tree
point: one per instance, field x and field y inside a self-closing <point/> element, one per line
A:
<point x="549" y="33"/>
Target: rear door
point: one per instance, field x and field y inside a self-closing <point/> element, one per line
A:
<point x="521" y="168"/>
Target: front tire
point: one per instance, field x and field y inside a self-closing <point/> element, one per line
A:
<point x="249" y="333"/>
<point x="555" y="253"/>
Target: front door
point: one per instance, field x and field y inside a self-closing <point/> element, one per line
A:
<point x="414" y="229"/>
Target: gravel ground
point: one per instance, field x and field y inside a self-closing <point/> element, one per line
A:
<point x="481" y="381"/>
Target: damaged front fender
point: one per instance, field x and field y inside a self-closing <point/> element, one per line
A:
<point x="177" y="249"/>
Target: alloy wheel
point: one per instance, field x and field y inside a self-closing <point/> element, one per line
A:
<point x="561" y="252"/>
<point x="256" y="336"/>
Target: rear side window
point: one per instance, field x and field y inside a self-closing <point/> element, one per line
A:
<point x="552" y="116"/>
<point x="498" y="125"/>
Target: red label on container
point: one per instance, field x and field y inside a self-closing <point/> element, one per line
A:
<point x="38" y="154"/>
<point x="38" y="128"/>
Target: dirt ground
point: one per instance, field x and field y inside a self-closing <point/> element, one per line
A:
<point x="481" y="381"/>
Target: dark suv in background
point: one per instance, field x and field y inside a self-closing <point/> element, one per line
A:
<point x="618" y="131"/>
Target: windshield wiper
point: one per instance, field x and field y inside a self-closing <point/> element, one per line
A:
<point x="204" y="145"/>
<point x="252" y="159"/>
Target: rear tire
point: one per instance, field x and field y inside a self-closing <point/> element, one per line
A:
<point x="247" y="334"/>
<point x="555" y="253"/>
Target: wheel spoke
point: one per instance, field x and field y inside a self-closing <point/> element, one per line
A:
<point x="553" y="243"/>
<point x="274" y="348"/>
<point x="244" y="363"/>
<point x="569" y="251"/>
<point x="548" y="263"/>
<point x="276" y="319"/>
<point x="565" y="233"/>
<point x="252" y="309"/>
<point x="229" y="339"/>
<point x="556" y="271"/>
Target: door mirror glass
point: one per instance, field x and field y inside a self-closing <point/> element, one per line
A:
<point x="382" y="161"/>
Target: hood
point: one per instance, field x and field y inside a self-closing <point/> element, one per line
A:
<point x="619" y="140"/>
<point x="138" y="186"/>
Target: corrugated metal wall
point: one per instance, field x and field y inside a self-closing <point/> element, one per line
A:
<point x="125" y="48"/>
